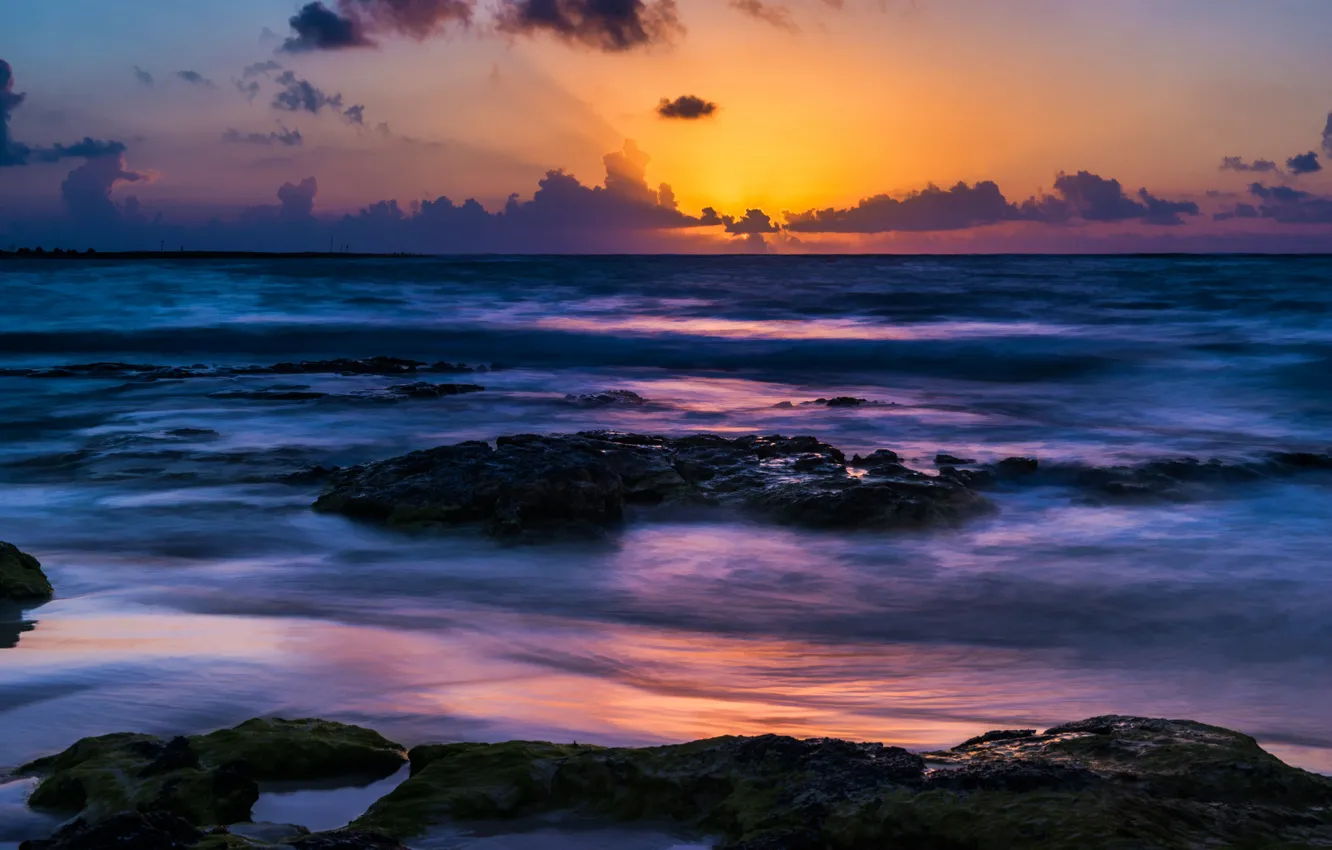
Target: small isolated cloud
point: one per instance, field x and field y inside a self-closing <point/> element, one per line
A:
<point x="283" y="136"/>
<point x="194" y="78"/>
<point x="1237" y="163"/>
<point x="317" y="27"/>
<point x="609" y="25"/>
<point x="249" y="88"/>
<point x="144" y="78"/>
<point x="260" y="69"/>
<point x="770" y="13"/>
<point x="686" y="107"/>
<point x="355" y="115"/>
<point x="1327" y="135"/>
<point x="299" y="95"/>
<point x="1305" y="163"/>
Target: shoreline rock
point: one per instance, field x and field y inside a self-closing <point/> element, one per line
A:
<point x="1098" y="784"/>
<point x="21" y="576"/>
<point x="582" y="483"/>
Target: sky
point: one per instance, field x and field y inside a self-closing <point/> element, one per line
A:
<point x="440" y="126"/>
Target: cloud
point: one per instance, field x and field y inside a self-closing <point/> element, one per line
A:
<point x="259" y="69"/>
<point x="318" y="27"/>
<point x="1163" y="212"/>
<point x="1327" y="135"/>
<point x="11" y="153"/>
<point x="1286" y="205"/>
<point x="299" y="95"/>
<point x="1237" y="163"/>
<point x="778" y="16"/>
<point x="686" y="107"/>
<point x="1091" y="197"/>
<point x="355" y="115"/>
<point x="86" y="149"/>
<point x="1239" y="211"/>
<point x="298" y="200"/>
<point x="87" y="190"/>
<point x="194" y="78"/>
<point x="249" y="88"/>
<point x="1305" y="163"/>
<point x="929" y="209"/>
<point x="283" y="137"/>
<point x="143" y="76"/>
<point x="609" y="25"/>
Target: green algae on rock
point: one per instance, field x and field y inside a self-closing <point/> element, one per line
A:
<point x="21" y="576"/>
<point x="1109" y="782"/>
<point x="276" y="749"/>
<point x="205" y="779"/>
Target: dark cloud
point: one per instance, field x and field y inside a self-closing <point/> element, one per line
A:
<point x="260" y="69"/>
<point x="86" y="149"/>
<point x="686" y="107"/>
<point x="194" y="78"/>
<point x="770" y="13"/>
<point x="143" y="76"/>
<point x="1091" y="197"/>
<point x="930" y="209"/>
<point x="298" y="200"/>
<point x="299" y="95"/>
<point x="1287" y="205"/>
<point x="355" y="115"/>
<point x="416" y="18"/>
<point x="611" y="25"/>
<point x="283" y="137"/>
<point x="318" y="27"/>
<point x="87" y="190"/>
<point x="1237" y="163"/>
<point x="1305" y="163"/>
<point x="11" y="153"/>
<point x="1327" y="135"/>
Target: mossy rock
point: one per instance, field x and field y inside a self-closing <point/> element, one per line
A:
<point x="276" y="749"/>
<point x="207" y="779"/>
<point x="104" y="776"/>
<point x="21" y="576"/>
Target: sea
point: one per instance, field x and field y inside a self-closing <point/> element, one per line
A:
<point x="195" y="587"/>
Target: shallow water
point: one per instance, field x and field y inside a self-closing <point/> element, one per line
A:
<point x="194" y="592"/>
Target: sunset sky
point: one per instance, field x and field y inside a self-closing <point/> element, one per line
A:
<point x="803" y="105"/>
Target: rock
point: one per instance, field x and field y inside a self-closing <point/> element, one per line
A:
<point x="21" y="576"/>
<point x="123" y="831"/>
<point x="276" y="749"/>
<point x="1016" y="467"/>
<point x="581" y="483"/>
<point x="977" y="479"/>
<point x="846" y="401"/>
<point x="270" y="395"/>
<point x="347" y="839"/>
<point x="1100" y="784"/>
<point x="452" y="368"/>
<point x="101" y="777"/>
<point x="342" y="366"/>
<point x="205" y="779"/>
<point x="608" y="398"/>
<point x="269" y="833"/>
<point x="308" y="475"/>
<point x="424" y="389"/>
<point x="881" y="457"/>
<point x="945" y="459"/>
<point x="742" y="784"/>
<point x="784" y="405"/>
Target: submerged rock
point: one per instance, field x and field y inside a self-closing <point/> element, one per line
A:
<point x="204" y="779"/>
<point x="582" y="483"/>
<point x="128" y="830"/>
<point x="945" y="459"/>
<point x="425" y="389"/>
<point x="21" y="576"/>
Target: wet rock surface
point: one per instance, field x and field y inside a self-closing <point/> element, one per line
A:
<point x="1106" y="782"/>
<point x="583" y="482"/>
<point x="21" y="576"/>
<point x="608" y="398"/>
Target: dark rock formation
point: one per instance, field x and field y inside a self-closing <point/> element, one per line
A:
<point x="945" y="459"/>
<point x="123" y="831"/>
<point x="583" y="482"/>
<point x="608" y="398"/>
<point x="21" y="576"/>
<point x="425" y="389"/>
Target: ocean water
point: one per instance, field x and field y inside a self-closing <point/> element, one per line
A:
<point x="196" y="592"/>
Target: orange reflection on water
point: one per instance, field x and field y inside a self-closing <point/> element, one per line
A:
<point x="791" y="329"/>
